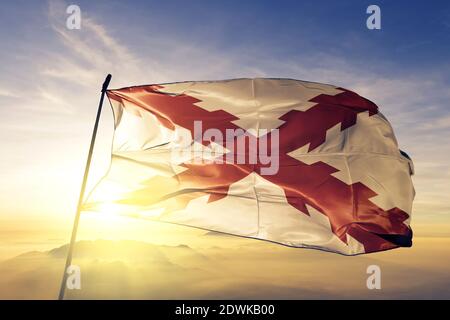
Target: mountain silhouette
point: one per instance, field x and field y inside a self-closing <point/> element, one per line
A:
<point x="255" y="270"/>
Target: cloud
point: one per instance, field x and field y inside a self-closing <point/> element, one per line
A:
<point x="439" y="123"/>
<point x="88" y="53"/>
<point x="8" y="93"/>
<point x="137" y="270"/>
<point x="63" y="78"/>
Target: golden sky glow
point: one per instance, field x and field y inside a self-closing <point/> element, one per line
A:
<point x="49" y="88"/>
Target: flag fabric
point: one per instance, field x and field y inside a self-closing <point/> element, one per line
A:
<point x="293" y="162"/>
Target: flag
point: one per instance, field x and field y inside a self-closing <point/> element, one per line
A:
<point x="292" y="162"/>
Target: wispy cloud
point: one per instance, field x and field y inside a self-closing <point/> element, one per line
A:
<point x="86" y="53"/>
<point x="63" y="81"/>
<point x="439" y="123"/>
<point x="8" y="93"/>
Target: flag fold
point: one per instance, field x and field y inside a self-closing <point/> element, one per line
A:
<point x="293" y="162"/>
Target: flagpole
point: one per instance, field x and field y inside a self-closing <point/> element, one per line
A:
<point x="83" y="189"/>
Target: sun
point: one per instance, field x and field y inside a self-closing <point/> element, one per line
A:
<point x="108" y="209"/>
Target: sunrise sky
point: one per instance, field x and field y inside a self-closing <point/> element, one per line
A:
<point x="50" y="78"/>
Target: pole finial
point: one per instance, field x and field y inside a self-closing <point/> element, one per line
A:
<point x="106" y="83"/>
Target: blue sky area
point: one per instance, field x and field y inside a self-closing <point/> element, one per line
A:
<point x="50" y="76"/>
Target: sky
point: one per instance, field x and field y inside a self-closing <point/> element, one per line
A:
<point x="50" y="78"/>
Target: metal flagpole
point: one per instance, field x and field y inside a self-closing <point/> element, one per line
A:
<point x="83" y="188"/>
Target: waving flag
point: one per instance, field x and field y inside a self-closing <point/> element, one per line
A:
<point x="293" y="162"/>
